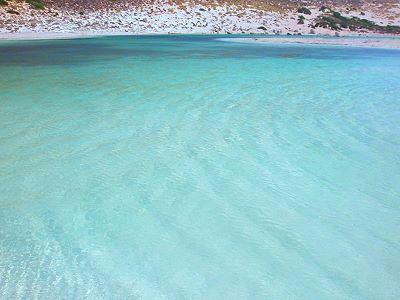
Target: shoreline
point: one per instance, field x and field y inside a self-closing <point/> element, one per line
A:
<point x="365" y="41"/>
<point x="382" y="42"/>
<point x="258" y="37"/>
<point x="28" y="36"/>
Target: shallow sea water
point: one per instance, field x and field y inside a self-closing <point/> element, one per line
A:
<point x="184" y="167"/>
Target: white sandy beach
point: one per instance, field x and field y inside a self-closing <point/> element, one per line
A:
<point x="370" y="42"/>
<point x="57" y="35"/>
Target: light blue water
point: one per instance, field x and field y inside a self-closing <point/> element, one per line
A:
<point x="189" y="168"/>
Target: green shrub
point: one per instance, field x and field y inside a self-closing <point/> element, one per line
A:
<point x="391" y="29"/>
<point x="336" y="21"/>
<point x="3" y="2"/>
<point x="304" y="10"/>
<point x="36" y="4"/>
<point x="328" y="22"/>
<point x="337" y="15"/>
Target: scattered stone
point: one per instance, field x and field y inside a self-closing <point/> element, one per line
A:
<point x="13" y="12"/>
<point x="325" y="9"/>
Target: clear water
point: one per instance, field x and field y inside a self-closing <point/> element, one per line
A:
<point x="185" y="167"/>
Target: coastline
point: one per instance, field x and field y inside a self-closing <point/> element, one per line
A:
<point x="373" y="41"/>
<point x="16" y="36"/>
<point x="384" y="42"/>
<point x="19" y="21"/>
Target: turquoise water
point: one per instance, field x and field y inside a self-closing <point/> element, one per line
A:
<point x="185" y="167"/>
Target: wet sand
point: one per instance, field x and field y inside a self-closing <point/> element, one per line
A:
<point x="371" y="42"/>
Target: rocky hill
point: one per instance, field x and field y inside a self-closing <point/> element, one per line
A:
<point x="340" y="17"/>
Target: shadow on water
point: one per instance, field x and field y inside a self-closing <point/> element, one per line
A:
<point x="83" y="51"/>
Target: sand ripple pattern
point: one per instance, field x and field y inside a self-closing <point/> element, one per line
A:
<point x="191" y="168"/>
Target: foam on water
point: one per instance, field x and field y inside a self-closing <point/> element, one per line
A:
<point x="187" y="167"/>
